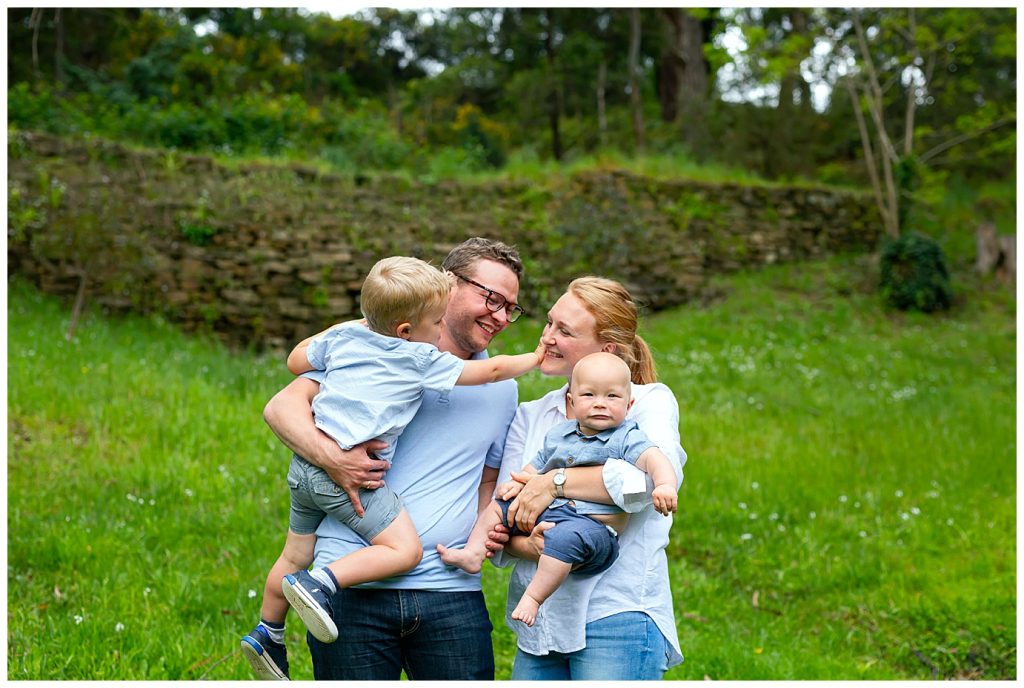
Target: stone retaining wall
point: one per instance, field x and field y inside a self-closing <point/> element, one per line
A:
<point x="267" y="254"/>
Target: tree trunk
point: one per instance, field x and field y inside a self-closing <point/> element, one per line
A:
<point x="34" y="21"/>
<point x="694" y="86"/>
<point x="670" y="71"/>
<point x="58" y="52"/>
<point x="555" y="95"/>
<point x="76" y="311"/>
<point x="794" y="88"/>
<point x="634" y="83"/>
<point x="996" y="253"/>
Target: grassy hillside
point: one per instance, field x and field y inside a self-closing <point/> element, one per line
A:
<point x="848" y="510"/>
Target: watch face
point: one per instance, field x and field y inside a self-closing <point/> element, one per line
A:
<point x="559" y="479"/>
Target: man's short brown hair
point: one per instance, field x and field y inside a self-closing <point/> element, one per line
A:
<point x="462" y="258"/>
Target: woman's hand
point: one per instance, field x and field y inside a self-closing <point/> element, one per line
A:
<point x="537" y="494"/>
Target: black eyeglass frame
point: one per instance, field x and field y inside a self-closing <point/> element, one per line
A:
<point x="513" y="312"/>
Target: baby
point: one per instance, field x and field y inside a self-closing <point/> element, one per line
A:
<point x="600" y="396"/>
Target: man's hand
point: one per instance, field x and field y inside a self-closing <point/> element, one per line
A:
<point x="535" y="543"/>
<point x="354" y="469"/>
<point x="537" y="494"/>
<point x="531" y="547"/>
<point x="497" y="537"/>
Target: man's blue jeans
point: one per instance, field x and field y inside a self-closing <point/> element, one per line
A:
<point x="431" y="635"/>
<point x="621" y="647"/>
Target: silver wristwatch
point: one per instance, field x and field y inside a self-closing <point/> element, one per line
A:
<point x="559" y="482"/>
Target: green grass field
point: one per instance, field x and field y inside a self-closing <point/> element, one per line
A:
<point x="849" y="508"/>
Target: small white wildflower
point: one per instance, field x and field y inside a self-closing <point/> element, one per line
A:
<point x="862" y="534"/>
<point x="746" y="536"/>
<point x="79" y="619"/>
<point x="755" y="486"/>
<point x="856" y="505"/>
<point x="743" y="505"/>
<point x="266" y="500"/>
<point x="949" y="521"/>
<point x="132" y="498"/>
<point x="752" y="516"/>
<point x="782" y="528"/>
<point x="773" y="516"/>
<point x="932" y="494"/>
<point x="842" y="498"/>
<point x="252" y="594"/>
<point x="67" y="519"/>
<point x="905" y="516"/>
<point x="262" y="470"/>
<point x="188" y="492"/>
<point x="119" y="627"/>
<point x="812" y="515"/>
<point x="914" y="510"/>
<point x="145" y="593"/>
<point x="899" y="493"/>
<point x="152" y="502"/>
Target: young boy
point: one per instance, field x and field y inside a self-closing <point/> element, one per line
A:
<point x="600" y="396"/>
<point x="375" y="377"/>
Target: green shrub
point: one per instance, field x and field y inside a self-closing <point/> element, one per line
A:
<point x="914" y="274"/>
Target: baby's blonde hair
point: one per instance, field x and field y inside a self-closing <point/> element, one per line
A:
<point x="401" y="289"/>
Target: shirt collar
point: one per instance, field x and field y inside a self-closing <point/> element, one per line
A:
<point x="573" y="428"/>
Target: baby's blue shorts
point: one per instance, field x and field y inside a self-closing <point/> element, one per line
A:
<point x="576" y="539"/>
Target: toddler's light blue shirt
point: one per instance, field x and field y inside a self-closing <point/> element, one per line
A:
<point x="374" y="384"/>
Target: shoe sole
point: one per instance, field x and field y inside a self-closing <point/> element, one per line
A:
<point x="264" y="667"/>
<point x="312" y="614"/>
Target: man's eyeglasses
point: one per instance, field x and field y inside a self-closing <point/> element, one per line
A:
<point x="495" y="301"/>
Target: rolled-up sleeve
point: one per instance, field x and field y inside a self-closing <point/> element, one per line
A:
<point x="657" y="414"/>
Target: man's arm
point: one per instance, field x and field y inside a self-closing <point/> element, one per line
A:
<point x="289" y="415"/>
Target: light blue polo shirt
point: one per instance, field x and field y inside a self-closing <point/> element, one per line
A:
<point x="374" y="383"/>
<point x="437" y="470"/>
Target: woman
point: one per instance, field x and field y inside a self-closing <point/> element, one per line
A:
<point x="617" y="625"/>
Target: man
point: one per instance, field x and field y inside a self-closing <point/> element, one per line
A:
<point x="431" y="622"/>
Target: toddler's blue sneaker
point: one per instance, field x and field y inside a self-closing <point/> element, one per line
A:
<point x="312" y="603"/>
<point x="269" y="660"/>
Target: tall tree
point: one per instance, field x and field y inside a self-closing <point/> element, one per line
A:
<point x="635" y="98"/>
<point x="892" y="59"/>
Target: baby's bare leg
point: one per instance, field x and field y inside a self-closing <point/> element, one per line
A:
<point x="471" y="557"/>
<point x="550" y="574"/>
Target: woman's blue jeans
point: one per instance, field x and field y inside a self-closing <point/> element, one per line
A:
<point x="621" y="647"/>
<point x="431" y="635"/>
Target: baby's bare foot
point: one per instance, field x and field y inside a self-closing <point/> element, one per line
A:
<point x="526" y="610"/>
<point x="467" y="561"/>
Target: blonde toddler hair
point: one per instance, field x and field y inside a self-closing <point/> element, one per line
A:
<point x="401" y="289"/>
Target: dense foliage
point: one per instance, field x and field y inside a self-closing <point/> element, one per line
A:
<point x="914" y="274"/>
<point x="472" y="89"/>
